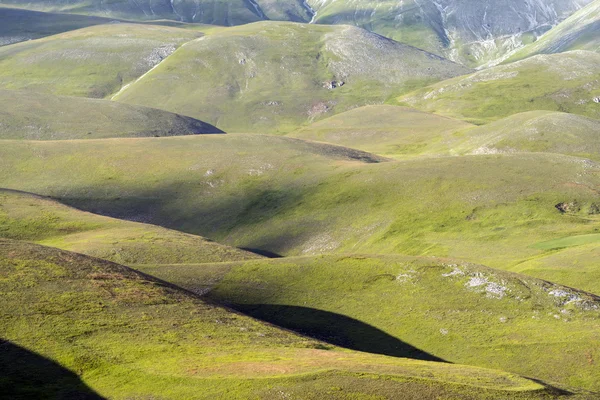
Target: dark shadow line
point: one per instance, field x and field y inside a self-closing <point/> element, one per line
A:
<point x="261" y="252"/>
<point x="335" y="329"/>
<point x="26" y="375"/>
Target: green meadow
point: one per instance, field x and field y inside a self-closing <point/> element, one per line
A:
<point x="218" y="200"/>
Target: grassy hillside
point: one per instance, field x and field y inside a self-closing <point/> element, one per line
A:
<point x="37" y="219"/>
<point x="274" y="77"/>
<point x="387" y="130"/>
<point x="575" y="264"/>
<point x="37" y="116"/>
<point x="91" y="62"/>
<point x="535" y="131"/>
<point x="532" y="327"/>
<point x="581" y="31"/>
<point x="566" y="82"/>
<point x="292" y="197"/>
<point x="126" y="335"/>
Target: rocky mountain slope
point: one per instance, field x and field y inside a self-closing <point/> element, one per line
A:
<point x="581" y="31"/>
<point x="473" y="32"/>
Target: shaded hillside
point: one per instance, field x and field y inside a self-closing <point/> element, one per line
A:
<point x="38" y="116"/>
<point x="273" y="76"/>
<point x="290" y="197"/>
<point x="32" y="218"/>
<point x="227" y="12"/>
<point x="21" y="25"/>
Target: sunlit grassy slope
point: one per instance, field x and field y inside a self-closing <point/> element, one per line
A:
<point x="33" y="218"/>
<point x="90" y="62"/>
<point x="388" y="130"/>
<point x="581" y="31"/>
<point x="565" y="82"/>
<point x="275" y="76"/>
<point x="37" y="116"/>
<point x="127" y="335"/>
<point x="535" y="131"/>
<point x="574" y="263"/>
<point x="291" y="197"/>
<point x="459" y="312"/>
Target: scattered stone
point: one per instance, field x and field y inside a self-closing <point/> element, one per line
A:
<point x="455" y="272"/>
<point x="333" y="84"/>
<point x="594" y="209"/>
<point x="596" y="100"/>
<point x="492" y="289"/>
<point x="444" y="331"/>
<point x="565" y="296"/>
<point x="503" y="319"/>
<point x="571" y="207"/>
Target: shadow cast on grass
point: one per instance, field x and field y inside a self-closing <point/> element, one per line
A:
<point x="335" y="329"/>
<point x="26" y="375"/>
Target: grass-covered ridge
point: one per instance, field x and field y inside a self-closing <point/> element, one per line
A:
<point x="534" y="131"/>
<point x="566" y="82"/>
<point x="293" y="197"/>
<point x="387" y="130"/>
<point x="37" y="219"/>
<point x="39" y="116"/>
<point x="440" y="306"/>
<point x="90" y="62"/>
<point x="127" y="335"/>
<point x="274" y="77"/>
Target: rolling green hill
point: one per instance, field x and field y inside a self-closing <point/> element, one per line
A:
<point x="572" y="260"/>
<point x="532" y="327"/>
<point x="291" y="197"/>
<point x="90" y="62"/>
<point x="535" y="131"/>
<point x="127" y="335"/>
<point x="581" y="31"/>
<point x="566" y="82"/>
<point x="274" y="77"/>
<point x="38" y="116"/>
<point x="387" y="130"/>
<point x="27" y="217"/>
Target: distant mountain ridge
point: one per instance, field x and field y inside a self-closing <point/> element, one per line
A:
<point x="472" y="32"/>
